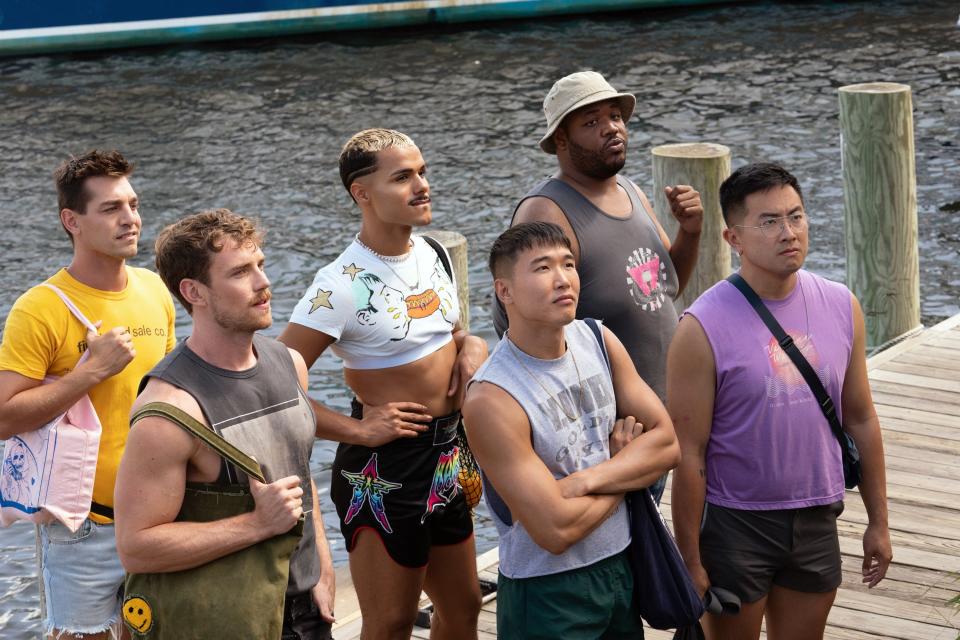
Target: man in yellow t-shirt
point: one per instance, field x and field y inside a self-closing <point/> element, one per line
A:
<point x="81" y="573"/>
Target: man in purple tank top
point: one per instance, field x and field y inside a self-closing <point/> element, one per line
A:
<point x="760" y="486"/>
<point x="629" y="270"/>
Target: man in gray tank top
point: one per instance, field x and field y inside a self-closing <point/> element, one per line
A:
<point x="629" y="270"/>
<point x="562" y="427"/>
<point x="248" y="389"/>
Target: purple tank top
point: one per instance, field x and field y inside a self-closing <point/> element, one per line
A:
<point x="770" y="446"/>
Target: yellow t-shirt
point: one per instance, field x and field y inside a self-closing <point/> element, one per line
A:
<point x="41" y="337"/>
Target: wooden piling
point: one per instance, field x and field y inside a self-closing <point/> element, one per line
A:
<point x="704" y="166"/>
<point x="456" y="245"/>
<point x="880" y="208"/>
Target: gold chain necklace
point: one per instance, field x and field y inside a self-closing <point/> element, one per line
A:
<point x="555" y="398"/>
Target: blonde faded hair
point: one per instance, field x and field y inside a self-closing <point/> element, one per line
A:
<point x="358" y="157"/>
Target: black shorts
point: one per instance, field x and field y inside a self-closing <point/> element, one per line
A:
<point x="749" y="551"/>
<point x="405" y="491"/>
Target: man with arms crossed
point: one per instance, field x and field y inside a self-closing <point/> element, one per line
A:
<point x="99" y="210"/>
<point x="250" y="390"/>
<point x="542" y="418"/>
<point x="388" y="308"/>
<point x="757" y="448"/>
<point x="629" y="269"/>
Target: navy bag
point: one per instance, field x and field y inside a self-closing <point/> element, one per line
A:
<point x="663" y="592"/>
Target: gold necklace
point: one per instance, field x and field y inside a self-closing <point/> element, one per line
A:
<point x="555" y="398"/>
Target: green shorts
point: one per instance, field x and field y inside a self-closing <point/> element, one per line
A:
<point x="581" y="604"/>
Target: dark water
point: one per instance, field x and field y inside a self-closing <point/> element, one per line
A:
<point x="257" y="128"/>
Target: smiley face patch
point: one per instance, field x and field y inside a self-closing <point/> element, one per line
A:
<point x="137" y="614"/>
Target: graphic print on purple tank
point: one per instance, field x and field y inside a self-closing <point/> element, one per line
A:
<point x="368" y="485"/>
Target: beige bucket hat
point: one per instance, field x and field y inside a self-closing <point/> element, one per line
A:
<point x="578" y="90"/>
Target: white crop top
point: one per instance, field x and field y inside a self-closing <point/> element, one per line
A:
<point x="382" y="313"/>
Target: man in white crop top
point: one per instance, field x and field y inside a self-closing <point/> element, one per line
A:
<point x="388" y="307"/>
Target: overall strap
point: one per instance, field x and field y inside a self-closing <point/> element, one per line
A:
<point x="210" y="437"/>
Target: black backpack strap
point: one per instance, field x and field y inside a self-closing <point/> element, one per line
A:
<point x="788" y="346"/>
<point x="598" y="334"/>
<point x="441" y="253"/>
<point x="208" y="436"/>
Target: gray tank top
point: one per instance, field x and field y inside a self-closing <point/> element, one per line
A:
<point x="562" y="445"/>
<point x="627" y="278"/>
<point x="263" y="412"/>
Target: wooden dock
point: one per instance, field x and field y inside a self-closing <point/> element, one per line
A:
<point x="916" y="388"/>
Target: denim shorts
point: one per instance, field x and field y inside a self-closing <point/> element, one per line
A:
<point x="82" y="577"/>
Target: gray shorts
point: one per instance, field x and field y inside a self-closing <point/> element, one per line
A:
<point x="749" y="551"/>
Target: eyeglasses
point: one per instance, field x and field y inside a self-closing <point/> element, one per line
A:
<point x="773" y="227"/>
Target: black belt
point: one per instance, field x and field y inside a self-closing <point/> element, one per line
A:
<point x="101" y="510"/>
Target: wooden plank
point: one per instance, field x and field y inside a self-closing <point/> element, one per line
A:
<point x="852" y="546"/>
<point x="915" y="394"/>
<point x="925" y="371"/>
<point x="922" y="442"/>
<point x="877" y="625"/>
<point x="929" y="354"/>
<point x="938" y="462"/>
<point x="882" y="605"/>
<point x="915" y="380"/>
<point x="904" y="541"/>
<point x="926" y="414"/>
<point x="902" y="425"/>
<point x="909" y="519"/>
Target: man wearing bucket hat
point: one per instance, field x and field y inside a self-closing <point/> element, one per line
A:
<point x="629" y="270"/>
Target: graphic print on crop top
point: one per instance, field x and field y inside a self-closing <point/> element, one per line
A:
<point x="382" y="312"/>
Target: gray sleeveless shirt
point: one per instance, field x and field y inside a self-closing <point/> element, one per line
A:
<point x="562" y="445"/>
<point x="627" y="278"/>
<point x="263" y="412"/>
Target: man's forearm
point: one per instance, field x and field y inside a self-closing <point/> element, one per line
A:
<point x="337" y="427"/>
<point x="683" y="254"/>
<point x="558" y="527"/>
<point x="32" y="408"/>
<point x="687" y="500"/>
<point x="637" y="465"/>
<point x="177" y="546"/>
<point x="873" y="486"/>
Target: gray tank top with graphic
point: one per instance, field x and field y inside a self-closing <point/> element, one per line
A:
<point x="627" y="278"/>
<point x="563" y="445"/>
<point x="263" y="412"/>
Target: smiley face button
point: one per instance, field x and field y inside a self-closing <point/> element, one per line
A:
<point x="137" y="614"/>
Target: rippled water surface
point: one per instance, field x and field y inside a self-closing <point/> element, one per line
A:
<point x="257" y="127"/>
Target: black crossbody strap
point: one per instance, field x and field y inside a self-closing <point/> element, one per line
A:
<point x="210" y="437"/>
<point x="440" y="254"/>
<point x="788" y="346"/>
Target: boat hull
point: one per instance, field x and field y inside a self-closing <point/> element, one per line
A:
<point x="28" y="27"/>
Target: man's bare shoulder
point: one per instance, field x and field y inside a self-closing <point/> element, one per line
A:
<point x="493" y="407"/>
<point x="540" y="209"/>
<point x="158" y="390"/>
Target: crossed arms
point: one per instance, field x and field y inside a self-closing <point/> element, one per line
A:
<point x="558" y="513"/>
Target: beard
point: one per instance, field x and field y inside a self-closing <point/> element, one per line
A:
<point x="594" y="163"/>
<point x="247" y="320"/>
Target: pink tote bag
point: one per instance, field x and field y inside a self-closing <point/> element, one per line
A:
<point x="48" y="473"/>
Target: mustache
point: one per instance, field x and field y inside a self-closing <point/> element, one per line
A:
<point x="265" y="297"/>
